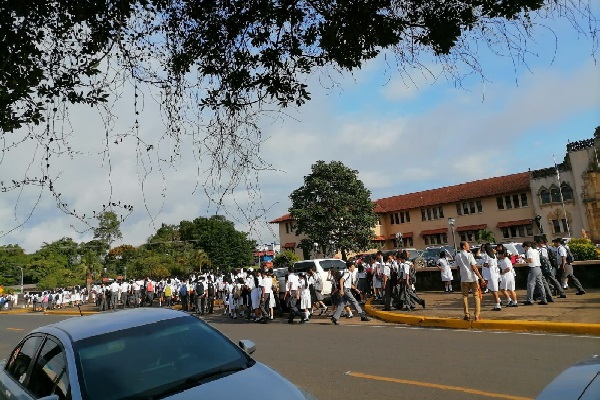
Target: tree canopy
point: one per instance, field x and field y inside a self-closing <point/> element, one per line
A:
<point x="334" y="209"/>
<point x="215" y="65"/>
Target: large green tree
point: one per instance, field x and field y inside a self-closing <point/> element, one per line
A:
<point x="334" y="209"/>
<point x="228" y="60"/>
<point x="109" y="228"/>
<point x="217" y="237"/>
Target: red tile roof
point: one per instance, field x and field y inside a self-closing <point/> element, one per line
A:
<point x="378" y="239"/>
<point x="513" y="223"/>
<point x="286" y="217"/>
<point x="289" y="245"/>
<point x="471" y="227"/>
<point x="450" y="194"/>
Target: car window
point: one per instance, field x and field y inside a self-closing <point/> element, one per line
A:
<point x="22" y="357"/>
<point x="303" y="266"/>
<point x="151" y="359"/>
<point x="337" y="265"/>
<point x="49" y="374"/>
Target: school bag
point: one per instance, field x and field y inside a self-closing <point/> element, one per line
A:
<point x="318" y="285"/>
<point x="546" y="266"/>
<point x="236" y="292"/>
<point x="570" y="257"/>
<point x="149" y="287"/>
<point x="168" y="292"/>
<point x="200" y="289"/>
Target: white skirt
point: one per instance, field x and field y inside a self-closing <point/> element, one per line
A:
<point x="507" y="282"/>
<point x="305" y="300"/>
<point x="485" y="273"/>
<point x="447" y="275"/>
<point x="492" y="283"/>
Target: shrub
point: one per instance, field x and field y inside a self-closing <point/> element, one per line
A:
<point x="583" y="249"/>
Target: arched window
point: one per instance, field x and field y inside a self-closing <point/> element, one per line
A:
<point x="555" y="194"/>
<point x="544" y="196"/>
<point x="567" y="192"/>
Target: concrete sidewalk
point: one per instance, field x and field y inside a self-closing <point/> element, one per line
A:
<point x="575" y="314"/>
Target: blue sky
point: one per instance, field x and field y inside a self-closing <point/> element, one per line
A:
<point x="401" y="134"/>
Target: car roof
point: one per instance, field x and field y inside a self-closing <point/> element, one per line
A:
<point x="79" y="328"/>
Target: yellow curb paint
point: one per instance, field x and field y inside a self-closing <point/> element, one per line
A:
<point x="14" y="329"/>
<point x="446" y="323"/>
<point x="437" y="386"/>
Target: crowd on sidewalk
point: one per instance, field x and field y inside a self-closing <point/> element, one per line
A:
<point x="547" y="264"/>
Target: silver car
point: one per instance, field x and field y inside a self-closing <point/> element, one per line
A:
<point x="144" y="353"/>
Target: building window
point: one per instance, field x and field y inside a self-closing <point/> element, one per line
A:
<point x="517" y="231"/>
<point x="438" y="238"/>
<point x="567" y="192"/>
<point x="469" y="236"/>
<point x="288" y="227"/>
<point x="518" y="200"/>
<point x="560" y="225"/>
<point x="399" y="217"/>
<point x="431" y="213"/>
<point x="555" y="194"/>
<point x="471" y="207"/>
<point x="544" y="196"/>
<point x="404" y="242"/>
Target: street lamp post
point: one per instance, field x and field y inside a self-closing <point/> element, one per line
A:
<point x="452" y="222"/>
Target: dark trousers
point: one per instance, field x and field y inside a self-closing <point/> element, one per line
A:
<point x="211" y="304"/>
<point x="294" y="312"/>
<point x="387" y="295"/>
<point x="184" y="302"/>
<point x="264" y="305"/>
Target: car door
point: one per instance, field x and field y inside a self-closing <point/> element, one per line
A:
<point x="49" y="374"/>
<point x="15" y="373"/>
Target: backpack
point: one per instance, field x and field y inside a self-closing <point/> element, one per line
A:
<point x="149" y="287"/>
<point x="168" y="292"/>
<point x="211" y="289"/>
<point x="335" y="284"/>
<point x="200" y="289"/>
<point x="236" y="292"/>
<point x="183" y="289"/>
<point x="393" y="275"/>
<point x="546" y="266"/>
<point x="552" y="258"/>
<point x="318" y="285"/>
<point x="570" y="257"/>
<point x="412" y="274"/>
<point x="379" y="272"/>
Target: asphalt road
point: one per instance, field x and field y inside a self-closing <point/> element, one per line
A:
<point x="383" y="361"/>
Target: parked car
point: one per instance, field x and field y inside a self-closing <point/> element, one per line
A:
<point x="431" y="255"/>
<point x="137" y="353"/>
<point x="323" y="266"/>
<point x="579" y="382"/>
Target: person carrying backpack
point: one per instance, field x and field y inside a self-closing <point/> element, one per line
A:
<point x="210" y="295"/>
<point x="344" y="287"/>
<point x="565" y="260"/>
<point x="200" y="296"/>
<point x="548" y="271"/>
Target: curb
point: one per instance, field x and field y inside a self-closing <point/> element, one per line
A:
<point x="501" y="325"/>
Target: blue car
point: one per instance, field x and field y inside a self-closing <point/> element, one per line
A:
<point x="143" y="353"/>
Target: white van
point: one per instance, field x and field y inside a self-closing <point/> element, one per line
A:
<point x="322" y="266"/>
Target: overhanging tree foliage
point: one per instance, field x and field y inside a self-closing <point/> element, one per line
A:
<point x="334" y="209"/>
<point x="213" y="65"/>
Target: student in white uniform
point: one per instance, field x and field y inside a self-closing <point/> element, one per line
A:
<point x="507" y="282"/>
<point x="444" y="267"/>
<point x="491" y="264"/>
<point x="305" y="303"/>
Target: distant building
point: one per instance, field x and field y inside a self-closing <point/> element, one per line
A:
<point x="567" y="195"/>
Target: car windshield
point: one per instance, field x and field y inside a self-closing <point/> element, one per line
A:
<point x="431" y="253"/>
<point x="153" y="359"/>
<point x="280" y="273"/>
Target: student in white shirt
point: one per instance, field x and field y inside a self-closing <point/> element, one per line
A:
<point x="507" y="281"/>
<point x="534" y="278"/>
<point x="444" y="267"/>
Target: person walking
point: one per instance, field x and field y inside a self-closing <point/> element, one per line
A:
<point x="444" y="267"/>
<point x="507" y="281"/>
<point x="565" y="260"/>
<point x="293" y="295"/>
<point x="548" y="270"/>
<point x="210" y="295"/>
<point x="469" y="280"/>
<point x="345" y="287"/>
<point x="534" y="278"/>
<point x="491" y="263"/>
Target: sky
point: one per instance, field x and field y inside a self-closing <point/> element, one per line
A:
<point x="402" y="133"/>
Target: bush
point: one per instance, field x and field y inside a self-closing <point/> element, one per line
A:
<point x="583" y="249"/>
<point x="284" y="259"/>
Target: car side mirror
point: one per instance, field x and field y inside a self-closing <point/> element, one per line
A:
<point x="248" y="346"/>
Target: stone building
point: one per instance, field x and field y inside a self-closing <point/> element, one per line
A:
<point x="567" y="195"/>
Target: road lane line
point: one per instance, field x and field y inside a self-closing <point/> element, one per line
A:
<point x="436" y="386"/>
<point x="14" y="329"/>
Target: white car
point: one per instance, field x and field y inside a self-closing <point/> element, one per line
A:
<point x="322" y="266"/>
